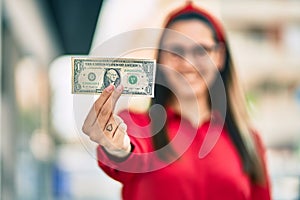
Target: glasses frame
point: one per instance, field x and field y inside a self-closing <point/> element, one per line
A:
<point x="198" y="51"/>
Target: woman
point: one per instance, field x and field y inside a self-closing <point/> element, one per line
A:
<point x="201" y="151"/>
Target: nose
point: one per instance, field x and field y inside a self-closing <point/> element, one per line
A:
<point x="188" y="64"/>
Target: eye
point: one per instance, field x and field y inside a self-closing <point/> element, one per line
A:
<point x="176" y="51"/>
<point x="199" y="51"/>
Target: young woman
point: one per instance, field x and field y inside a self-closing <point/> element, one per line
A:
<point x="196" y="141"/>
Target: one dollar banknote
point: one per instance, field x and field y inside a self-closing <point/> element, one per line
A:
<point x="91" y="75"/>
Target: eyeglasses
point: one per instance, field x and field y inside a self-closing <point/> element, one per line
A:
<point x="198" y="51"/>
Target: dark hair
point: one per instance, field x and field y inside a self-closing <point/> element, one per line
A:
<point x="192" y="15"/>
<point x="251" y="164"/>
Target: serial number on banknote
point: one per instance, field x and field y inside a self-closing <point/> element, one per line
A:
<point x="92" y="75"/>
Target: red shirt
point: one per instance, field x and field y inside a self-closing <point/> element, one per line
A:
<point x="217" y="175"/>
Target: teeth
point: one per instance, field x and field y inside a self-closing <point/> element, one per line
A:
<point x="191" y="76"/>
<point x="194" y="76"/>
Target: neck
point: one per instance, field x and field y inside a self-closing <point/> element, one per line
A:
<point x="196" y="110"/>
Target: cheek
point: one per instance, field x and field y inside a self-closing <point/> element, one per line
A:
<point x="218" y="59"/>
<point x="181" y="85"/>
<point x="166" y="66"/>
<point x="207" y="70"/>
<point x="210" y="76"/>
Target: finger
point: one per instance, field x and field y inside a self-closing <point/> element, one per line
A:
<point x="92" y="115"/>
<point x="96" y="135"/>
<point x="116" y="94"/>
<point x="126" y="143"/>
<point x="111" y="126"/>
<point x="121" y="140"/>
<point x="123" y="127"/>
<point x="108" y="107"/>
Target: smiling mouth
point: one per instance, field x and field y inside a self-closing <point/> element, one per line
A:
<point x="195" y="75"/>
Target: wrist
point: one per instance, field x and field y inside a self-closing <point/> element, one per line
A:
<point x="118" y="153"/>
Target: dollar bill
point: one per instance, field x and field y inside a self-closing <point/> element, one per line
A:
<point x="91" y="75"/>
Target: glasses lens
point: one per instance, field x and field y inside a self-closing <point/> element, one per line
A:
<point x="199" y="51"/>
<point x="176" y="51"/>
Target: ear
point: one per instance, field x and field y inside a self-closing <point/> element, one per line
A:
<point x="220" y="55"/>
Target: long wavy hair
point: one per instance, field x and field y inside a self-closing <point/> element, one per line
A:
<point x="236" y="117"/>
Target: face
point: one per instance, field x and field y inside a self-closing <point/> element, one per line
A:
<point x="190" y="59"/>
<point x="112" y="75"/>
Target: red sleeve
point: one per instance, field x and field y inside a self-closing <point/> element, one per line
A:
<point x="261" y="191"/>
<point x="123" y="169"/>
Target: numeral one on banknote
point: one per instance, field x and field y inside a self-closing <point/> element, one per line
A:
<point x="92" y="75"/>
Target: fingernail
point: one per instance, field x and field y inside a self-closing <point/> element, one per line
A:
<point x="119" y="88"/>
<point x="109" y="88"/>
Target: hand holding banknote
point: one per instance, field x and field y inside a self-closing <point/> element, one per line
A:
<point x="105" y="128"/>
<point x="111" y="77"/>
